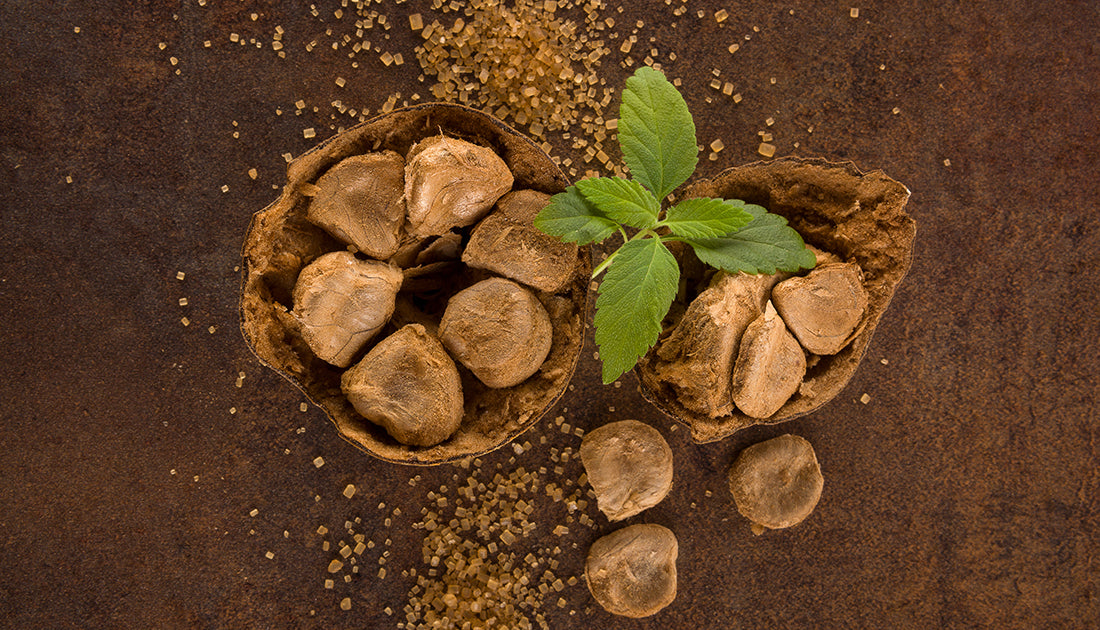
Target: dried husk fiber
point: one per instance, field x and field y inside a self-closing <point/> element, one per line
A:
<point x="281" y="241"/>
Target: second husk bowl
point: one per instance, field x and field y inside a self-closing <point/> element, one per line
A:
<point x="838" y="209"/>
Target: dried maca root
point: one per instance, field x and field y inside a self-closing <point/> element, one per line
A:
<point x="770" y="366"/>
<point x="361" y="202"/>
<point x="697" y="357"/>
<point x="507" y="243"/>
<point x="498" y="330"/>
<point x="776" y="483"/>
<point x="451" y="183"/>
<point x="632" y="572"/>
<point x="629" y="465"/>
<point x="824" y="307"/>
<point x="408" y="385"/>
<point x="341" y="302"/>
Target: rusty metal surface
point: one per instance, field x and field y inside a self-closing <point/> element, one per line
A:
<point x="963" y="494"/>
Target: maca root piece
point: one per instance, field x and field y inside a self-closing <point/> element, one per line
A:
<point x="408" y="385"/>
<point x="770" y="366"/>
<point x="341" y="302"/>
<point x="361" y="202"/>
<point x="629" y="465"/>
<point x="696" y="359"/>
<point x="632" y="572"/>
<point x="824" y="307"/>
<point x="507" y="243"/>
<point x="498" y="330"/>
<point x="776" y="483"/>
<point x="451" y="183"/>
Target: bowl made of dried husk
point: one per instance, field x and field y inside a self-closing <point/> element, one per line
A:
<point x="838" y="209"/>
<point x="281" y="241"/>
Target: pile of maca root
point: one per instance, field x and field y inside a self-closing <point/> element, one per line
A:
<point x="747" y="340"/>
<point x="442" y="268"/>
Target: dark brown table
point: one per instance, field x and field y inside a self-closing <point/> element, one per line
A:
<point x="963" y="494"/>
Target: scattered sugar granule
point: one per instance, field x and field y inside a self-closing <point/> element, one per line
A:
<point x="180" y="275"/>
<point x="765" y="149"/>
<point x="853" y="12"/>
<point x="309" y="132"/>
<point x="270" y="556"/>
<point x="254" y="512"/>
<point x="320" y="461"/>
<point x="349" y="491"/>
<point x="866" y="398"/>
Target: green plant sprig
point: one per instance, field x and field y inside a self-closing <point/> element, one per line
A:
<point x="657" y="138"/>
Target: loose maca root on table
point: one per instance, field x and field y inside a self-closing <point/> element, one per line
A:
<point x="632" y="572"/>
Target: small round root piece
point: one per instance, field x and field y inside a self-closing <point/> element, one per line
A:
<point x="629" y="465"/>
<point x="451" y="183"/>
<point x="507" y="243"/>
<point x="776" y="483"/>
<point x="341" y="302"/>
<point x="498" y="330"/>
<point x="361" y="202"/>
<point x="824" y="307"/>
<point x="408" y="385"/>
<point x="770" y="366"/>
<point x="632" y="572"/>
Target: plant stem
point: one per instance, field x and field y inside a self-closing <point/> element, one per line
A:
<point x="605" y="264"/>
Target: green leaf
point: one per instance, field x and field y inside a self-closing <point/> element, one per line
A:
<point x="633" y="298"/>
<point x="622" y="200"/>
<point x="573" y="219"/>
<point x="656" y="132"/>
<point x="706" y="218"/>
<point x="765" y="245"/>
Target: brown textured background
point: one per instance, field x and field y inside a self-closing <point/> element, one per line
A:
<point x="964" y="494"/>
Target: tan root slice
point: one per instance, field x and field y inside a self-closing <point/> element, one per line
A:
<point x="507" y="243"/>
<point x="361" y="202"/>
<point x="342" y="302"/>
<point x="451" y="183"/>
<point x="498" y="330"/>
<point x="824" y="307"/>
<point x="629" y="465"/>
<point x="776" y="483"/>
<point x="632" y="572"/>
<point x="696" y="359"/>
<point x="408" y="385"/>
<point x="770" y="366"/>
